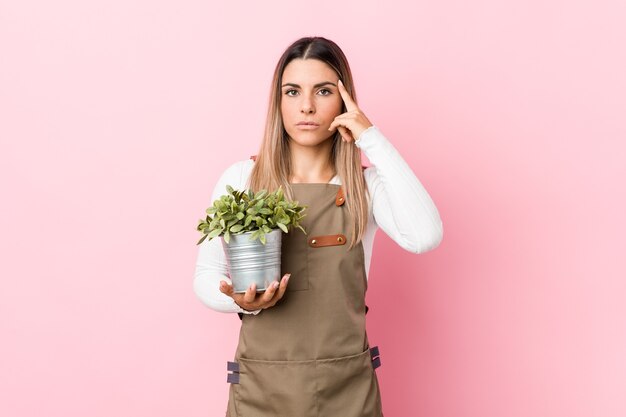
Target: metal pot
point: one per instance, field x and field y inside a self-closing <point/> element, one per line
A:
<point x="251" y="261"/>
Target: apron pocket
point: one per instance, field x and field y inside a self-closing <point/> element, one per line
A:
<point x="276" y="389"/>
<point x="348" y="387"/>
<point x="299" y="279"/>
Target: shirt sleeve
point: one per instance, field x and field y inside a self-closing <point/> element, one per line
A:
<point x="211" y="266"/>
<point x="401" y="206"/>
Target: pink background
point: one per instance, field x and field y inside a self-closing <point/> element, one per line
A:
<point x="116" y="118"/>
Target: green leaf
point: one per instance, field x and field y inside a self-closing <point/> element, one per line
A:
<point x="201" y="239"/>
<point x="214" y="233"/>
<point x="243" y="211"/>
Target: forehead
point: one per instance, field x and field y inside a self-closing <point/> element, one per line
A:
<point x="303" y="71"/>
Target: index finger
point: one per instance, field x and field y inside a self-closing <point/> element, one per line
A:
<point x="350" y="104"/>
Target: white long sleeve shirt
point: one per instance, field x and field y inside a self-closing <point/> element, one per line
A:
<point x="398" y="204"/>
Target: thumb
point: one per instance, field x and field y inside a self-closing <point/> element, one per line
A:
<point x="345" y="133"/>
<point x="226" y="288"/>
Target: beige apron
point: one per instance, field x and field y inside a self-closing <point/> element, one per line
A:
<point x="308" y="356"/>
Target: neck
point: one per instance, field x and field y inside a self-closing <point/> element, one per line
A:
<point x="311" y="164"/>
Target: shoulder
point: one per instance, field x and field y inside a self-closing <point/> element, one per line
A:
<point x="236" y="175"/>
<point x="239" y="168"/>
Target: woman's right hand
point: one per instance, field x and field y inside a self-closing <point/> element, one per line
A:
<point x="251" y="300"/>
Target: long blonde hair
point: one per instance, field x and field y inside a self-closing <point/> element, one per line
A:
<point x="273" y="163"/>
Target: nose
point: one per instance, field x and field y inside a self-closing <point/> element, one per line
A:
<point x="307" y="106"/>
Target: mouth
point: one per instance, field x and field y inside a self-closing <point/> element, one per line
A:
<point x="307" y="125"/>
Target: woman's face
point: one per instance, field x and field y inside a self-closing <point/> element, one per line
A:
<point x="310" y="101"/>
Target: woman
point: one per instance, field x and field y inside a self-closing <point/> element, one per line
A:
<point x="303" y="349"/>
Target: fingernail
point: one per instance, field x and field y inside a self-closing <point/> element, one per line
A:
<point x="275" y="284"/>
<point x="287" y="277"/>
<point x="339" y="81"/>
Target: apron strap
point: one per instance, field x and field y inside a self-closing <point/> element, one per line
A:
<point x="233" y="372"/>
<point x="327" y="240"/>
<point x="340" y="198"/>
<point x="375" y="355"/>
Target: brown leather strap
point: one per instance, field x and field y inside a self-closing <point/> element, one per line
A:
<point x="327" y="240"/>
<point x="340" y="198"/>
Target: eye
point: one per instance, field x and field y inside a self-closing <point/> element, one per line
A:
<point x="289" y="93"/>
<point x="325" y="92"/>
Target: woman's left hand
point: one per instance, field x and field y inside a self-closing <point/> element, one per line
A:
<point x="351" y="123"/>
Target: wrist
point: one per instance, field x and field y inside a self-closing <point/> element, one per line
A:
<point x="366" y="130"/>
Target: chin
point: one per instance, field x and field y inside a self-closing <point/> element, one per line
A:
<point x="309" y="139"/>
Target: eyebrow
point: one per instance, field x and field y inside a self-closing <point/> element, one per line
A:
<point x="315" y="86"/>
